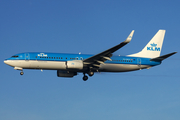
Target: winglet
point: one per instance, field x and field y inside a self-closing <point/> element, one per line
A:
<point x="129" y="37"/>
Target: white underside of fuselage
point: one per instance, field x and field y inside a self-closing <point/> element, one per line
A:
<point x="61" y="65"/>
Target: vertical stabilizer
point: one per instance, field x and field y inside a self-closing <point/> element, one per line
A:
<point x="153" y="48"/>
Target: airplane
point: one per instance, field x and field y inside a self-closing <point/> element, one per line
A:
<point x="69" y="65"/>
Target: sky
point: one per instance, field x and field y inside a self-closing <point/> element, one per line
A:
<point x="89" y="27"/>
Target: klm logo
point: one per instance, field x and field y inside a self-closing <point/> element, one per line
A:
<point x="153" y="48"/>
<point x="42" y="55"/>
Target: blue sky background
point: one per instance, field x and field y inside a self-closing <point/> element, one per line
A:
<point x="89" y="27"/>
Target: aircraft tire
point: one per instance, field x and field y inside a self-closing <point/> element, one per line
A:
<point x="85" y="77"/>
<point x="21" y="73"/>
<point x="90" y="73"/>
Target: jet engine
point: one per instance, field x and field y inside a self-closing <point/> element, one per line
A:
<point x="61" y="73"/>
<point x="75" y="64"/>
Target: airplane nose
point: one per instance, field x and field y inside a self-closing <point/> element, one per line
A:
<point x="6" y="62"/>
<point x="9" y="62"/>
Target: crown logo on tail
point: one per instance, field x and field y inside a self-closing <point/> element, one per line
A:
<point x="153" y="45"/>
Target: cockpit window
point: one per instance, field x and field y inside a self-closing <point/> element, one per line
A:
<point x="15" y="56"/>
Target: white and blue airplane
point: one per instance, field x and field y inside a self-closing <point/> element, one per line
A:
<point x="68" y="65"/>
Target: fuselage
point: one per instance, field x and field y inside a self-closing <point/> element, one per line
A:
<point x="58" y="61"/>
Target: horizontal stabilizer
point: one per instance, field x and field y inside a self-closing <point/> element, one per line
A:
<point x="161" y="58"/>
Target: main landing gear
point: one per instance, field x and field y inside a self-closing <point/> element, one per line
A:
<point x="85" y="77"/>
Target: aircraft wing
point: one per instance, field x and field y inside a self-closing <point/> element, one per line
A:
<point x="100" y="58"/>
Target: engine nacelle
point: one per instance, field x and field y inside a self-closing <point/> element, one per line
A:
<point x="75" y="64"/>
<point x="61" y="73"/>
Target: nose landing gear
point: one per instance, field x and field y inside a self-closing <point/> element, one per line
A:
<point x="19" y="68"/>
<point x="21" y="73"/>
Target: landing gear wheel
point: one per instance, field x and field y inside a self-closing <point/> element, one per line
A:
<point x="85" y="77"/>
<point x="90" y="73"/>
<point x="21" y="73"/>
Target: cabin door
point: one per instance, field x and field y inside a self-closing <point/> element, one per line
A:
<point x="27" y="56"/>
<point x="139" y="62"/>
